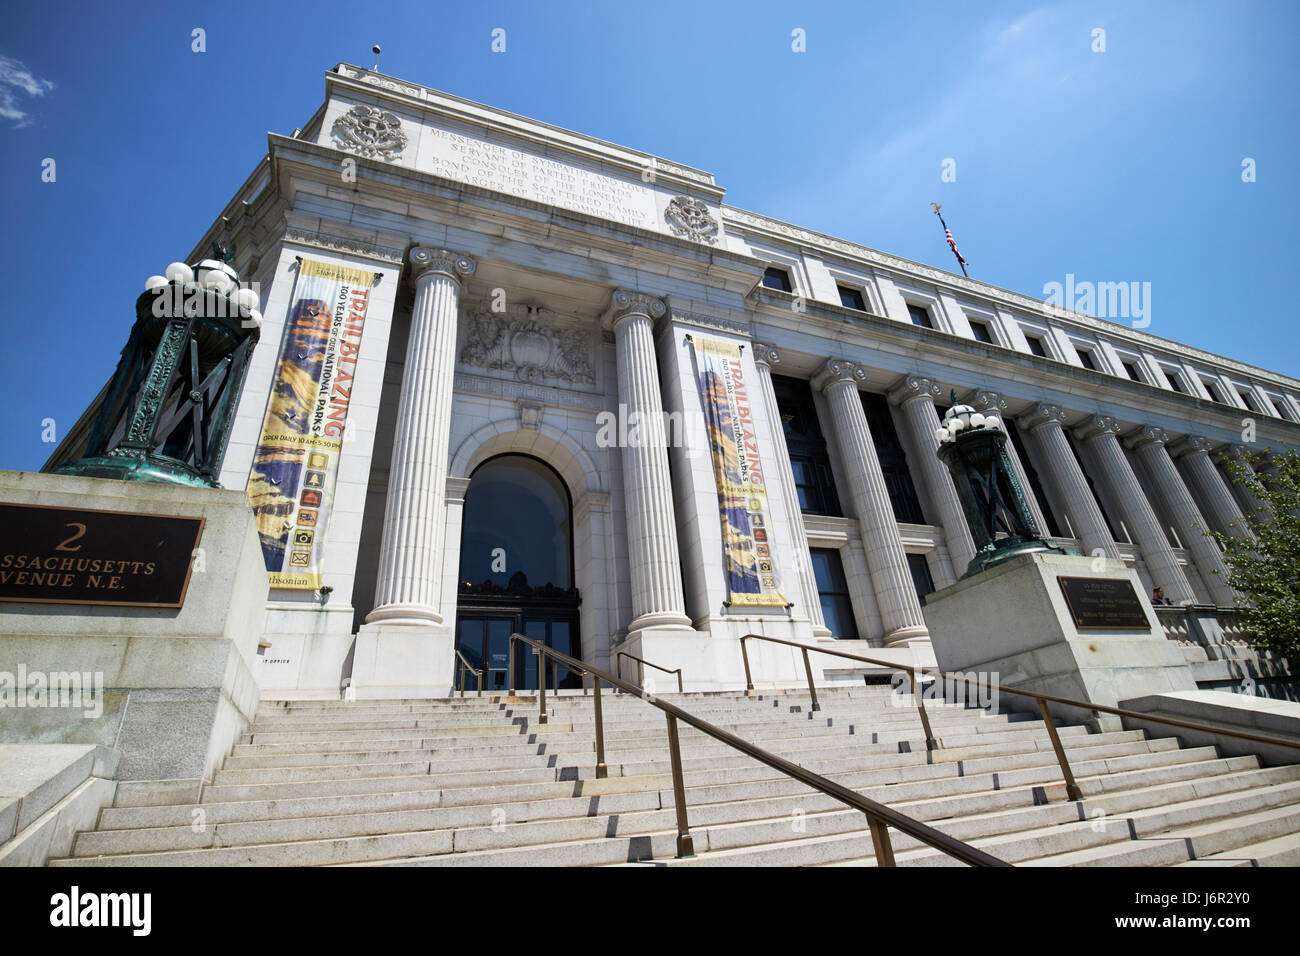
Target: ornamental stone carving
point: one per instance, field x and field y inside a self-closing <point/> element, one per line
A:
<point x="914" y="387"/>
<point x="1042" y="414"/>
<point x="1097" y="426"/>
<point x="835" y="371"/>
<point x="1192" y="444"/>
<point x="630" y="302"/>
<point x="765" y="354"/>
<point x="526" y="342"/>
<point x="1148" y="436"/>
<point x="371" y="132"/>
<point x="425" y="259"/>
<point x="690" y="218"/>
<point x="986" y="400"/>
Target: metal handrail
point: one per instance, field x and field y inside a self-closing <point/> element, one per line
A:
<point x="462" y="665"/>
<point x="879" y="816"/>
<point x="1071" y="788"/>
<point x="640" y="670"/>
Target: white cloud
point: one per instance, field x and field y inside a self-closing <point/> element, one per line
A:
<point x="17" y="81"/>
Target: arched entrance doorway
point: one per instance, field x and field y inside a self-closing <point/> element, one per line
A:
<point x="516" y="569"/>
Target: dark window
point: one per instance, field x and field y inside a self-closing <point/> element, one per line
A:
<point x="1036" y="345"/>
<point x="809" y="461"/>
<point x="1249" y="400"/>
<point x="1173" y="380"/>
<point x="851" y="299"/>
<point x="1086" y="358"/>
<point x="833" y="590"/>
<point x="920" y="568"/>
<point x="778" y="279"/>
<point x="1035" y="482"/>
<point x="1279" y="403"/>
<point x="1213" y="392"/>
<point x="920" y="316"/>
<point x="1132" y="369"/>
<point x="981" y="332"/>
<point x="893" y="460"/>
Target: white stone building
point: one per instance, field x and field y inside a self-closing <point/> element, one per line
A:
<point x="536" y="287"/>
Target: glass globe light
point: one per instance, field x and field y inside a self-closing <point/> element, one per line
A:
<point x="154" y="282"/>
<point x="180" y="272"/>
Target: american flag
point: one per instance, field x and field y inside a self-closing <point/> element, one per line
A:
<point x="952" y="244"/>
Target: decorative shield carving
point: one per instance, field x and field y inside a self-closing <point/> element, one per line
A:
<point x="524" y="341"/>
<point x="369" y="131"/>
<point x="691" y="218"/>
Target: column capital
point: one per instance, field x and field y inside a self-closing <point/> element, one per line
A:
<point x="765" y="354"/>
<point x="1147" y="435"/>
<point x="912" y="388"/>
<point x="836" y="371"/>
<point x="1191" y="445"/>
<point x="629" y="302"/>
<point x="1232" y="451"/>
<point x="427" y="261"/>
<point x="1096" y="426"/>
<point x="985" y="400"/>
<point x="1042" y="414"/>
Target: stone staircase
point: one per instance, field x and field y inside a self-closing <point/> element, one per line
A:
<point x="478" y="782"/>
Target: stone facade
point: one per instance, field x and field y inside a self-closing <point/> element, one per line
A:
<point x="533" y="282"/>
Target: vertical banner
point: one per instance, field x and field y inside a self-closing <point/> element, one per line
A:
<point x="291" y="485"/>
<point x="742" y="494"/>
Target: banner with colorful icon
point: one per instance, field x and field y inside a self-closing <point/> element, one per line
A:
<point x="742" y="493"/>
<point x="291" y="485"/>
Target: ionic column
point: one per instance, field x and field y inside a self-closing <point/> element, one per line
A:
<point x="915" y="396"/>
<point x="891" y="580"/>
<point x="1209" y="489"/>
<point x="1150" y="446"/>
<point x="1240" y="454"/>
<point x="1043" y="423"/>
<point x="407" y="591"/>
<point x="657" y="595"/>
<point x="765" y="356"/>
<point x="1100" y="431"/>
<point x="991" y="403"/>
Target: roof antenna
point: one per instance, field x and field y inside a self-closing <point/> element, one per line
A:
<point x="375" y="50"/>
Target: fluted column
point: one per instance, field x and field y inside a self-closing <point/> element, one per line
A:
<point x="915" y="396"/>
<point x="1240" y="454"/>
<point x="1100" y="432"/>
<point x="1150" y="446"/>
<point x="657" y="595"/>
<point x="409" y="562"/>
<point x="1208" y="488"/>
<point x="991" y="403"/>
<point x="1044" y="423"/>
<point x="900" y="610"/>
<point x="765" y="356"/>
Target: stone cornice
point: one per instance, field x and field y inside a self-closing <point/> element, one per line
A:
<point x="721" y="323"/>
<point x="1006" y="297"/>
<point x="836" y="371"/>
<point x="914" y="387"/>
<point x="344" y="244"/>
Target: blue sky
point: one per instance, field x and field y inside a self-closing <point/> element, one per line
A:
<point x="1123" y="165"/>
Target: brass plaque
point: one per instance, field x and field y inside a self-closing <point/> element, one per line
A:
<point x="1104" y="604"/>
<point x="77" y="556"/>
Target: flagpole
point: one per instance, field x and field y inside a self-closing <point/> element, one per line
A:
<point x="960" y="261"/>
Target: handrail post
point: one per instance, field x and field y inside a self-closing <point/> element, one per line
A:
<point x="812" y="688"/>
<point x="640" y="675"/>
<point x="685" y="845"/>
<point x="1071" y="788"/>
<point x="749" y="681"/>
<point x="880" y="840"/>
<point x="541" y="683"/>
<point x="460" y="676"/>
<point x="679" y="681"/>
<point x="602" y="771"/>
<point x="510" y="666"/>
<point x="917" y="689"/>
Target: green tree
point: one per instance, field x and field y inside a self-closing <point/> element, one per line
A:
<point x="1265" y="569"/>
